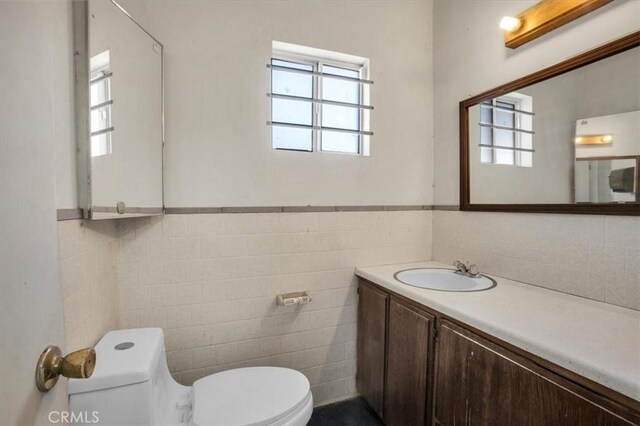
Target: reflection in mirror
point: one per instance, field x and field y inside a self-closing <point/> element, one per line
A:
<point x="506" y="130"/>
<point x="124" y="139"/>
<point x="100" y="104"/>
<point x="570" y="139"/>
<point x="607" y="153"/>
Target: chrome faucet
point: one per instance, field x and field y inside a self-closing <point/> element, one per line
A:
<point x="466" y="270"/>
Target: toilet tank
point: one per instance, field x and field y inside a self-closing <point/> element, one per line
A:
<point x="131" y="383"/>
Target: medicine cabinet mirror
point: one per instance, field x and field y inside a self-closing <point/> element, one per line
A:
<point x="562" y="140"/>
<point x="119" y="111"/>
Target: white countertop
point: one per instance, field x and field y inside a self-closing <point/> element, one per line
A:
<point x="596" y="340"/>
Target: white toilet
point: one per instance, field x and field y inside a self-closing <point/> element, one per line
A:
<point x="131" y="385"/>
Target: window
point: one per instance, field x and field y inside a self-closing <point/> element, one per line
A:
<point x="319" y="103"/>
<point x="100" y="105"/>
<point x="506" y="131"/>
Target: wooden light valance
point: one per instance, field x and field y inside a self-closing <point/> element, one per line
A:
<point x="546" y="16"/>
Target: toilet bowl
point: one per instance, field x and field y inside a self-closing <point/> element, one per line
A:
<point x="131" y="385"/>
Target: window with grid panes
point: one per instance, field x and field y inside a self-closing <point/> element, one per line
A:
<point x="318" y="105"/>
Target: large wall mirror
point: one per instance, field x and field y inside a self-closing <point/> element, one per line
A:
<point x="119" y="107"/>
<point x="564" y="139"/>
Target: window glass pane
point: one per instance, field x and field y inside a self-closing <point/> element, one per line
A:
<point x="505" y="119"/>
<point x="289" y="138"/>
<point x="340" y="90"/>
<point x="294" y="65"/>
<point x="504" y="137"/>
<point x="101" y="118"/>
<point x="340" y="117"/>
<point x="486" y="115"/>
<point x="503" y="104"/>
<point x="340" y="142"/>
<point x="289" y="83"/>
<point x="101" y="144"/>
<point x="486" y="155"/>
<point x="486" y="135"/>
<point x="503" y="156"/>
<point x="346" y="72"/>
<point x="99" y="92"/>
<point x="287" y="111"/>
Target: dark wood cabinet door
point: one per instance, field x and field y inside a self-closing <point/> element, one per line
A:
<point x="372" y="319"/>
<point x="451" y="377"/>
<point x="481" y="383"/>
<point x="408" y="356"/>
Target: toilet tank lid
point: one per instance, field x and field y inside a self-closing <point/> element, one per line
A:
<point x="123" y="357"/>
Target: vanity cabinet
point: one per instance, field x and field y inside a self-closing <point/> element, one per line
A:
<point x="417" y="366"/>
<point x="394" y="352"/>
<point x="372" y="343"/>
<point x="409" y="352"/>
<point x="480" y="383"/>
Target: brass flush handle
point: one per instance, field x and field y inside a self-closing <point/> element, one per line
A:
<point x="76" y="365"/>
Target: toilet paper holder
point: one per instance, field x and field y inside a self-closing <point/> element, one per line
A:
<point x="295" y="298"/>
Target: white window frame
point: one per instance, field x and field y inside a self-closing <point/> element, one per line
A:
<point x="517" y="102"/>
<point x="102" y="70"/>
<point x="317" y="62"/>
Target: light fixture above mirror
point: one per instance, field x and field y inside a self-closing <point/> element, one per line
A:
<point x="509" y="23"/>
<point x="593" y="139"/>
<point x="543" y="17"/>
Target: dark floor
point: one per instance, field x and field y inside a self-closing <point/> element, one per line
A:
<point x="352" y="412"/>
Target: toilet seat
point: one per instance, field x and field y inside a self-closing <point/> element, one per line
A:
<point x="254" y="396"/>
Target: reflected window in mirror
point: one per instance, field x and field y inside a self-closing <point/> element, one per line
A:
<point x="100" y="105"/>
<point x="118" y="86"/>
<point x="506" y="130"/>
<point x="576" y="152"/>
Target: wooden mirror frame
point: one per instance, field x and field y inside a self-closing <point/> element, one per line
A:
<point x="610" y="49"/>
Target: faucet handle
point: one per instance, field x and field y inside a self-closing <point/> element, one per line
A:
<point x="460" y="267"/>
<point x="473" y="270"/>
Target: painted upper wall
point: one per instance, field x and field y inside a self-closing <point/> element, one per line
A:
<point x="470" y="57"/>
<point x="63" y="104"/>
<point x="218" y="146"/>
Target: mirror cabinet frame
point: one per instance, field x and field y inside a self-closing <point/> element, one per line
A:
<point x="610" y="49"/>
<point x="81" y="36"/>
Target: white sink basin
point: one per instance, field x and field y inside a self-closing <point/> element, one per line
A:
<point x="443" y="280"/>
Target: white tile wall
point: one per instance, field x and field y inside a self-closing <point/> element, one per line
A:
<point x="89" y="283"/>
<point x="591" y="256"/>
<point x="210" y="282"/>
